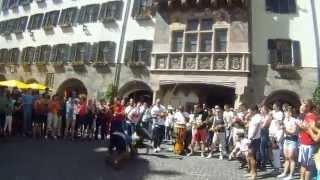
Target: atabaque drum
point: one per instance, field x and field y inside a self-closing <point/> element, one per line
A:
<point x="180" y="135"/>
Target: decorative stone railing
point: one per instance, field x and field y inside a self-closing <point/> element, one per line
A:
<point x="204" y="61"/>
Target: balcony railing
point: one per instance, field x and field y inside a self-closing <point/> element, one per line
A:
<point x="203" y="61"/>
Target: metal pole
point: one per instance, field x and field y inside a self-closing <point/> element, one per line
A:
<point x="317" y="38"/>
<point x="120" y="52"/>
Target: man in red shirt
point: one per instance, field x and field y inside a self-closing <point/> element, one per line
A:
<point x="307" y="145"/>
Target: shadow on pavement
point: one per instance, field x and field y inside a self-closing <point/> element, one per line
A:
<point x="26" y="159"/>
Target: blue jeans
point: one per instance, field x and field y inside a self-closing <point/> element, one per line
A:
<point x="27" y="118"/>
<point x="130" y="127"/>
<point x="264" y="146"/>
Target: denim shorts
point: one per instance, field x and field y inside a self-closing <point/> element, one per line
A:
<point x="305" y="156"/>
<point x="290" y="145"/>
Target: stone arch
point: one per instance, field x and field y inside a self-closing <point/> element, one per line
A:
<point x="283" y="96"/>
<point x="138" y="90"/>
<point x="72" y="87"/>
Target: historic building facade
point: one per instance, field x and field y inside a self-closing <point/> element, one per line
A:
<point x="76" y="45"/>
<point x="285" y="50"/>
<point x="182" y="51"/>
<point x="201" y="52"/>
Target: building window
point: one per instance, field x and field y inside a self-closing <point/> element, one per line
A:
<point x="192" y="25"/>
<point x="80" y="53"/>
<point x="60" y="53"/>
<point x="284" y="52"/>
<point x="49" y="80"/>
<point x="206" y="42"/>
<point x="206" y="24"/>
<point x="138" y="52"/>
<point x="106" y="52"/>
<point x="28" y="55"/>
<point x="89" y="13"/>
<point x="198" y="37"/>
<point x="21" y="24"/>
<point x="111" y="11"/>
<point x="143" y="9"/>
<point x="220" y="44"/>
<point x="3" y="56"/>
<point x="13" y="4"/>
<point x="24" y="2"/>
<point x="191" y="42"/>
<point x="68" y="17"/>
<point x="50" y="19"/>
<point x="14" y="56"/>
<point x="42" y="54"/>
<point x="281" y="6"/>
<point x="9" y="26"/>
<point x="177" y="41"/>
<point x="35" y="21"/>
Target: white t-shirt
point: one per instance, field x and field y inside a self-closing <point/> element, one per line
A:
<point x="254" y="126"/>
<point x="291" y="124"/>
<point x="169" y="120"/>
<point x="228" y="117"/>
<point x="275" y="125"/>
<point x="128" y="109"/>
<point x="155" y="113"/>
<point x="179" y="117"/>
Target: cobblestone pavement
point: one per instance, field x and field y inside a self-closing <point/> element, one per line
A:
<point x="27" y="159"/>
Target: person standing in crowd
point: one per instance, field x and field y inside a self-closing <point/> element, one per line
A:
<point x="39" y="116"/>
<point x="264" y="145"/>
<point x="290" y="146"/>
<point x="158" y="113"/>
<point x="199" y="134"/>
<point x="276" y="136"/>
<point x="146" y="116"/>
<point x="70" y="117"/>
<point x="53" y="117"/>
<point x="118" y="120"/>
<point x="103" y="117"/>
<point x="133" y="118"/>
<point x="209" y="120"/>
<point x="254" y="135"/>
<point x="219" y="136"/>
<point x="314" y="132"/>
<point x="128" y="123"/>
<point x="9" y="114"/>
<point x="18" y="117"/>
<point x="228" y="116"/>
<point x="27" y="103"/>
<point x="82" y="116"/>
<point x="90" y="115"/>
<point x="307" y="144"/>
<point x="238" y="124"/>
<point x="3" y="107"/>
<point x="169" y="123"/>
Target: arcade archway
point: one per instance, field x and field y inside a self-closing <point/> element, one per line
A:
<point x="72" y="87"/>
<point x="137" y="90"/>
<point x="282" y="97"/>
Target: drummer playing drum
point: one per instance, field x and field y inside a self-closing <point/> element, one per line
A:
<point x="180" y="131"/>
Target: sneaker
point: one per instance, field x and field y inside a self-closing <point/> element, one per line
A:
<point x="190" y="154"/>
<point x="158" y="149"/>
<point x="209" y="156"/>
<point x="282" y="175"/>
<point x="202" y="155"/>
<point x="288" y="178"/>
<point x="155" y="150"/>
<point x="221" y="157"/>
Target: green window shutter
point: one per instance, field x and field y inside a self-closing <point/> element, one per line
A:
<point x="296" y="49"/>
<point x="95" y="12"/>
<point x="82" y="14"/>
<point x="119" y="8"/>
<point x="53" y="56"/>
<point x="73" y="53"/>
<point x="136" y="8"/>
<point x="129" y="52"/>
<point x="94" y="52"/>
<point x="272" y="52"/>
<point x="148" y="47"/>
<point x="37" y="54"/>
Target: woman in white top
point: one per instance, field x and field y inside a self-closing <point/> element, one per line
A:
<point x="290" y="143"/>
